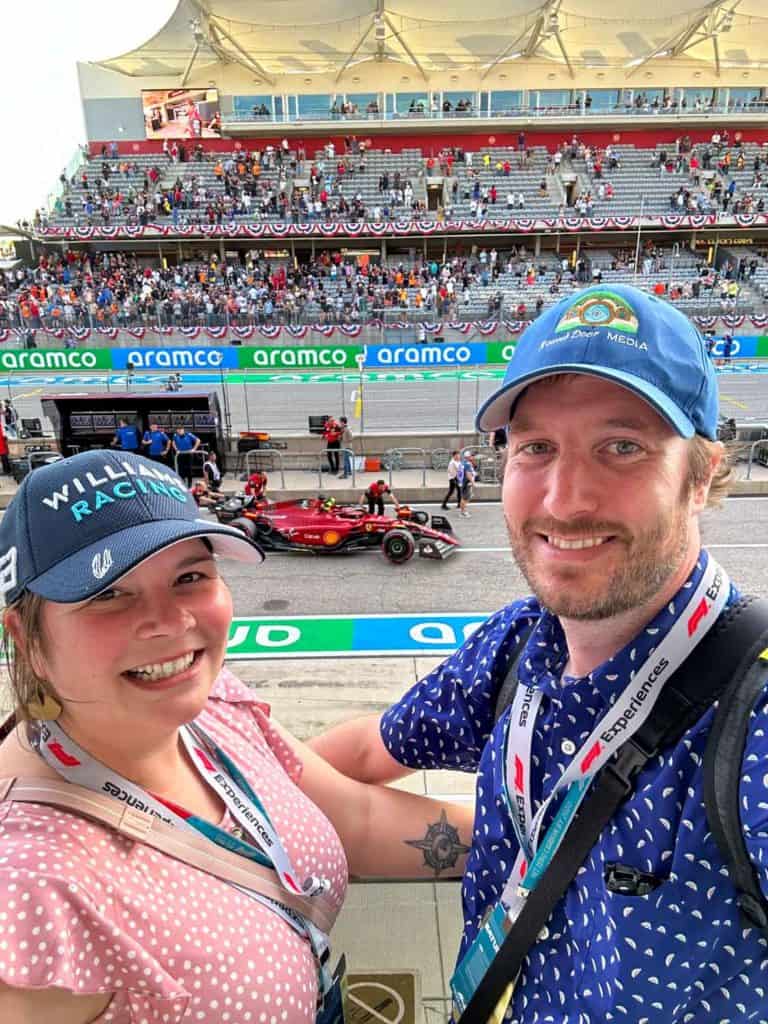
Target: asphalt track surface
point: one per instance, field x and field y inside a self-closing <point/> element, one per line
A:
<point x="280" y="404"/>
<point x="479" y="578"/>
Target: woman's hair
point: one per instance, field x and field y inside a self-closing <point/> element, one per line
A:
<point x="700" y="456"/>
<point x="25" y="682"/>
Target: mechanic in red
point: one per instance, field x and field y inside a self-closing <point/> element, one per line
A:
<point x="332" y="431"/>
<point x="256" y="484"/>
<point x="374" y="495"/>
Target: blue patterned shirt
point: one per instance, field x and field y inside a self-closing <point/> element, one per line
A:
<point x="679" y="954"/>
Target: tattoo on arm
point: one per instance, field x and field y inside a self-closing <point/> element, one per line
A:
<point x="441" y="845"/>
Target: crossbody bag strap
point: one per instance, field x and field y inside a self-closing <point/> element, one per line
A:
<point x="192" y="849"/>
<point x="698" y="682"/>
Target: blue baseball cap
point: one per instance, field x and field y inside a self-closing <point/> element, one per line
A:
<point x="624" y="335"/>
<point x="78" y="525"/>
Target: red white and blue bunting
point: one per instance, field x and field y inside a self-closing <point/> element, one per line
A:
<point x="380" y="229"/>
<point x="305" y="332"/>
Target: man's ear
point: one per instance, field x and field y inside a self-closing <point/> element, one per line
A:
<point x="701" y="489"/>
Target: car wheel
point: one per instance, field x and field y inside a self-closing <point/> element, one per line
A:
<point x="246" y="526"/>
<point x="398" y="546"/>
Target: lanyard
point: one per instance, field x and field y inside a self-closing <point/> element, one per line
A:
<point x="624" y="718"/>
<point x="220" y="773"/>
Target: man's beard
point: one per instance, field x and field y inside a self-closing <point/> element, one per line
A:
<point x="650" y="560"/>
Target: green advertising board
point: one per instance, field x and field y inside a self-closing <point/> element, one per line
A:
<point x="47" y="359"/>
<point x="762" y="346"/>
<point x="283" y="357"/>
<point x="500" y="351"/>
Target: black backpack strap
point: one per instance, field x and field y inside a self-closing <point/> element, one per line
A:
<point x="507" y="692"/>
<point x="722" y="778"/>
<point x="728" y="648"/>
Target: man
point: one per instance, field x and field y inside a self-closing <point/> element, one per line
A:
<point x="374" y="496"/>
<point x="256" y="484"/>
<point x="212" y="474"/>
<point x="332" y="436"/>
<point x="611" y="406"/>
<point x="466" y="477"/>
<point x="156" y="443"/>
<point x="183" y="445"/>
<point x="126" y="437"/>
<point x="345" y="440"/>
<point x="454" y="487"/>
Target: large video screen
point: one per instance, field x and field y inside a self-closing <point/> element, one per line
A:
<point x="181" y="113"/>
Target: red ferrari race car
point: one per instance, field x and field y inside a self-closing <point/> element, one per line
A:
<point x="319" y="525"/>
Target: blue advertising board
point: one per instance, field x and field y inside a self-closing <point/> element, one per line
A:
<point x="191" y="358"/>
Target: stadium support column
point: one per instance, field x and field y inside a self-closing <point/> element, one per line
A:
<point x="221" y="251"/>
<point x="383" y="251"/>
<point x="537" y="245"/>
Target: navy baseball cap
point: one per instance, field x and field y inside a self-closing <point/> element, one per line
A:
<point x="624" y="335"/>
<point x="78" y="525"/>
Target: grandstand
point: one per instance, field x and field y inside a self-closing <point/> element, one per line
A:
<point x="239" y="174"/>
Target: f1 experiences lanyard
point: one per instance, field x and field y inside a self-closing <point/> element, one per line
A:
<point x="220" y="773"/>
<point x="630" y="710"/>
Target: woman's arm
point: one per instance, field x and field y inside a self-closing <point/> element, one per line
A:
<point x="43" y="1006"/>
<point x="387" y="833"/>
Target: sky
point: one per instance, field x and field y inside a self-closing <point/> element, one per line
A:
<point x="42" y="42"/>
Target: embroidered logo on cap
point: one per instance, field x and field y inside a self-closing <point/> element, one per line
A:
<point x="8" y="573"/>
<point x="599" y="309"/>
<point x="101" y="564"/>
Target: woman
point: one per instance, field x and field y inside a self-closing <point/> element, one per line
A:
<point x="118" y="623"/>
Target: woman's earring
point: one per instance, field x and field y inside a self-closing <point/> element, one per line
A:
<point x="43" y="707"/>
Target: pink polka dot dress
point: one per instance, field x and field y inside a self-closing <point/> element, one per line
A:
<point x="89" y="911"/>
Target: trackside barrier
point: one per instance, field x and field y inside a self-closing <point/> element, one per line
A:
<point x="486" y="462"/>
<point x="394" y="459"/>
<point x="760" y="443"/>
<point x="198" y="455"/>
<point x="256" y="452"/>
<point x="311" y="457"/>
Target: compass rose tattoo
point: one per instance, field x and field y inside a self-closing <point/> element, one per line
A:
<point x="441" y="846"/>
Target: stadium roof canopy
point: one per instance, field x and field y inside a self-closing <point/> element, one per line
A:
<point x="270" y="39"/>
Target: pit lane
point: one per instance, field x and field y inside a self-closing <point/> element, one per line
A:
<point x="479" y="578"/>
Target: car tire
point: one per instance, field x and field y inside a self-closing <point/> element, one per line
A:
<point x="398" y="546"/>
<point x="246" y="526"/>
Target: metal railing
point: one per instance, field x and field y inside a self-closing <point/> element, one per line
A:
<point x="393" y="460"/>
<point x="304" y="456"/>
<point x="761" y="442"/>
<point x="571" y="110"/>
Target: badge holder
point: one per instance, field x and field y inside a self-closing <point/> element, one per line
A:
<point x="332" y="1011"/>
<point x="475" y="964"/>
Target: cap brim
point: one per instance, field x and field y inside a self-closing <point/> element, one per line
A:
<point x="496" y="411"/>
<point x="85" y="573"/>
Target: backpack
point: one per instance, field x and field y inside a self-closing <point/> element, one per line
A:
<point x="742" y="627"/>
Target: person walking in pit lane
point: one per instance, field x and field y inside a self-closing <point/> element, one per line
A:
<point x="183" y="445"/>
<point x="466" y="477"/>
<point x="374" y="496"/>
<point x="613" y="458"/>
<point x="454" y="487"/>
<point x="156" y="443"/>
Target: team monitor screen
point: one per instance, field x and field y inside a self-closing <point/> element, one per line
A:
<point x="181" y="113"/>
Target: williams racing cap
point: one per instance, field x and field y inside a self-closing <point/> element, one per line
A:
<point x="624" y="335"/>
<point x="78" y="525"/>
